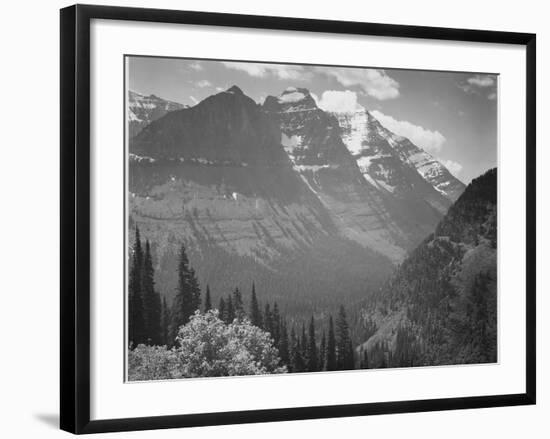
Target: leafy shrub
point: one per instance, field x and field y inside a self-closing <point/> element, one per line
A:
<point x="206" y="346"/>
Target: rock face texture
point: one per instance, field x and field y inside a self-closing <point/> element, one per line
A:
<point x="142" y="110"/>
<point x="280" y="195"/>
<point x="394" y="164"/>
<point x="367" y="176"/>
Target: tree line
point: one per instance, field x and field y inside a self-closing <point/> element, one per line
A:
<point x="301" y="348"/>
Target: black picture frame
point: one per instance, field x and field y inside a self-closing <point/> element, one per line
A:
<point x="75" y="217"/>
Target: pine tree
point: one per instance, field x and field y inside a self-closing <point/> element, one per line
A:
<point x="195" y="291"/>
<point x="351" y="357"/>
<point x="268" y="326"/>
<point x="151" y="300"/>
<point x="165" y="323"/>
<point x="136" y="320"/>
<point x="276" y="324"/>
<point x="344" y="349"/>
<point x="238" y="304"/>
<point x="304" y="344"/>
<point x="255" y="313"/>
<point x="187" y="298"/>
<point x="283" y="345"/>
<point x="312" y="357"/>
<point x="229" y="310"/>
<point x="222" y="311"/>
<point x="331" y="347"/>
<point x="296" y="360"/>
<point x="207" y="300"/>
<point x="323" y="352"/>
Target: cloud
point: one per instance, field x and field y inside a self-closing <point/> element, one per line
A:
<point x="194" y="100"/>
<point x="467" y="88"/>
<point x="431" y="141"/>
<point x="453" y="167"/>
<point x="280" y="71"/>
<point x="220" y="89"/>
<point x="374" y="82"/>
<point x="338" y="101"/>
<point x="204" y="83"/>
<point x="196" y="66"/>
<point x="480" y="85"/>
<point x="481" y="81"/>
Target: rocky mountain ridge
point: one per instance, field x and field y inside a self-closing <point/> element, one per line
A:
<point x="275" y="194"/>
<point x="142" y="110"/>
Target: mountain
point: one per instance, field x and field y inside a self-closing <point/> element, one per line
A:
<point x="142" y="110"/>
<point x="272" y="194"/>
<point x="440" y="306"/>
<point x="217" y="178"/>
<point x="359" y="172"/>
<point x="394" y="164"/>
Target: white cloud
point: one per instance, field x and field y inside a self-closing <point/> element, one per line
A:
<point x="196" y="66"/>
<point x="220" y="89"/>
<point x="204" y="83"/>
<point x="481" y="81"/>
<point x="194" y="100"/>
<point x="431" y="141"/>
<point x="374" y="82"/>
<point x="467" y="88"/>
<point x="480" y="85"/>
<point x="453" y="167"/>
<point x="262" y="70"/>
<point x="338" y="101"/>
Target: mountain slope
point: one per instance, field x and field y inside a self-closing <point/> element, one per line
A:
<point x="395" y="164"/>
<point x="142" y="110"/>
<point x="440" y="305"/>
<point x="217" y="178"/>
<point x="320" y="148"/>
<point x="273" y="194"/>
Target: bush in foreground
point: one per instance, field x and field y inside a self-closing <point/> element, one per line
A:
<point x="207" y="347"/>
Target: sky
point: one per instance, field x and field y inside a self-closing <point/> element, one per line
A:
<point x="452" y="115"/>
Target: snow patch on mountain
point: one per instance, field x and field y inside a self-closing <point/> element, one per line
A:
<point x="295" y="96"/>
<point x="290" y="143"/>
<point x="354" y="130"/>
<point x="313" y="168"/>
<point x="142" y="110"/>
<point x="376" y="147"/>
<point x="140" y="158"/>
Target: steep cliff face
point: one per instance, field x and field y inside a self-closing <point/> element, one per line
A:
<point x="395" y="165"/>
<point x="354" y="171"/>
<point x="217" y="177"/>
<point x="223" y="129"/>
<point x="274" y="194"/>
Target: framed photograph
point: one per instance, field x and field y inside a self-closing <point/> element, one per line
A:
<point x="273" y="218"/>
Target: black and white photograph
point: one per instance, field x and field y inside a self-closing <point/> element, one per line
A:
<point x="287" y="218"/>
<point x="270" y="220"/>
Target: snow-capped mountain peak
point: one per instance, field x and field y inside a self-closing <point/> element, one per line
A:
<point x="291" y="100"/>
<point x="393" y="162"/>
<point x="355" y="129"/>
<point x="142" y="110"/>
